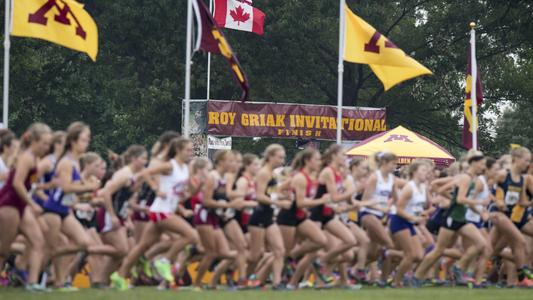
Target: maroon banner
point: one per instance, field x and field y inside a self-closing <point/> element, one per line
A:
<point x="256" y="119"/>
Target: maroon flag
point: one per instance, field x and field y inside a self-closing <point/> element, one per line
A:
<point x="468" y="115"/>
<point x="211" y="39"/>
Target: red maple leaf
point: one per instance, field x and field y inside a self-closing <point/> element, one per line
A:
<point x="239" y="15"/>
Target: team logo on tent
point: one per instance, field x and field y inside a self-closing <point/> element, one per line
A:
<point x="399" y="138"/>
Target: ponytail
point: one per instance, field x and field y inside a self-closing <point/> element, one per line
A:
<point x="163" y="141"/>
<point x="74" y="131"/>
<point x="302" y="157"/>
<point x="383" y="157"/>
<point x="133" y="152"/>
<point x="220" y="156"/>
<point x="332" y="150"/>
<point x="176" y="146"/>
<point x="247" y="160"/>
<point x="6" y="138"/>
<point x="33" y="134"/>
<point x="88" y="158"/>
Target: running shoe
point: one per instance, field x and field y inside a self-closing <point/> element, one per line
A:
<point x="35" y="287"/>
<point x="527" y="272"/>
<point x="481" y="285"/>
<point x="458" y="275"/>
<point x="290" y="287"/>
<point x="351" y="287"/>
<point x="439" y="282"/>
<point x="119" y="282"/>
<point x="147" y="268"/>
<point x="164" y="269"/>
<point x="67" y="287"/>
<point x="18" y="275"/>
<point x="253" y="283"/>
<point x="134" y="273"/>
<point x="325" y="278"/>
<point x="280" y="287"/>
<point x="98" y="285"/>
<point x="305" y="285"/>
<point x="396" y="286"/>
<point x="360" y="276"/>
<point x="162" y="286"/>
<point x="526" y="283"/>
<point x="381" y="284"/>
<point x="229" y="278"/>
<point x="416" y="283"/>
<point x="197" y="289"/>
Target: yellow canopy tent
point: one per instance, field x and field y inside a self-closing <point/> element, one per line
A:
<point x="407" y="145"/>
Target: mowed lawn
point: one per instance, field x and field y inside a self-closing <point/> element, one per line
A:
<point x="147" y="293"/>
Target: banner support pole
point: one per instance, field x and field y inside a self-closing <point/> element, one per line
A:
<point x="209" y="60"/>
<point x="340" y="70"/>
<point x="473" y="91"/>
<point x="187" y="98"/>
<point x="7" y="47"/>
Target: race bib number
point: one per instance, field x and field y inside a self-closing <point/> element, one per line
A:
<point x="85" y="215"/>
<point x="449" y="221"/>
<point x="68" y="199"/>
<point x="512" y="197"/>
<point x="203" y="215"/>
<point x="123" y="213"/>
<point x="472" y="216"/>
<point x="229" y="213"/>
<point x="418" y="209"/>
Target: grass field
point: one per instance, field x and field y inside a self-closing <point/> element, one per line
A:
<point x="364" y="294"/>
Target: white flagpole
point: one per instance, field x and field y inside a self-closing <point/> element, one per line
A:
<point x="340" y="71"/>
<point x="7" y="46"/>
<point x="473" y="90"/>
<point x="187" y="98"/>
<point x="209" y="60"/>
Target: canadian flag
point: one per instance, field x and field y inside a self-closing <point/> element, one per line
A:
<point x="239" y="15"/>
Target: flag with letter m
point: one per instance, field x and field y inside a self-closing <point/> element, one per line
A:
<point x="63" y="22"/>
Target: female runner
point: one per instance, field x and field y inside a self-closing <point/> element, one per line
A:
<point x="409" y="209"/>
<point x="262" y="224"/>
<point x="18" y="212"/>
<point x="455" y="224"/>
<point x="507" y="217"/>
<point x="147" y="196"/>
<point x="359" y="171"/>
<point x="92" y="167"/>
<point x="245" y="185"/>
<point x="380" y="188"/>
<point x="206" y="221"/>
<point x="229" y="206"/>
<point x="117" y="192"/>
<point x="57" y="212"/>
<point x="173" y="181"/>
<point x="231" y="221"/>
<point x="330" y="181"/>
<point x="295" y="220"/>
<point x="8" y="149"/>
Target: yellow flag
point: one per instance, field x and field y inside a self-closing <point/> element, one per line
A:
<point x="365" y="45"/>
<point x="63" y="22"/>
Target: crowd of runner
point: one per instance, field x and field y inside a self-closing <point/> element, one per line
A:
<point x="241" y="221"/>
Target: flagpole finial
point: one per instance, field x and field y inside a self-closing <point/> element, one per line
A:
<point x="472" y="25"/>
